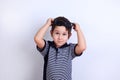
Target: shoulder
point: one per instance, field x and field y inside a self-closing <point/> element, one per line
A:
<point x="72" y="44"/>
<point x="72" y="48"/>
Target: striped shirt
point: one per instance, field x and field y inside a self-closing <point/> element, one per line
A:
<point x="57" y="61"/>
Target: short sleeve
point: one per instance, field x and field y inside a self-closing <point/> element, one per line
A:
<point x="44" y="50"/>
<point x="72" y="48"/>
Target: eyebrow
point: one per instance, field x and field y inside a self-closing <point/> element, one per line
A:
<point x="63" y="32"/>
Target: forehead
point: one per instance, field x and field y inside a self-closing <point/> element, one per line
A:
<point x="60" y="28"/>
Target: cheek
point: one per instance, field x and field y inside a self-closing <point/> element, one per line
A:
<point x="54" y="37"/>
<point x="66" y="38"/>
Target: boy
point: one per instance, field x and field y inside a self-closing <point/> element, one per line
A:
<point x="58" y="54"/>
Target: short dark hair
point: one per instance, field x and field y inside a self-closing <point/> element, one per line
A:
<point x="62" y="21"/>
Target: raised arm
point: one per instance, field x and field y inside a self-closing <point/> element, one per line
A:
<point x="38" y="38"/>
<point x="81" y="45"/>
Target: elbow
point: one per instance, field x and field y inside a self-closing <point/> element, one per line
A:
<point x="39" y="41"/>
<point x="36" y="39"/>
<point x="83" y="48"/>
<point x="80" y="49"/>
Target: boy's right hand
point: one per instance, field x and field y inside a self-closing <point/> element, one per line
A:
<point x="49" y="21"/>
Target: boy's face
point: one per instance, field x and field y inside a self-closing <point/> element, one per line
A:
<point x="60" y="35"/>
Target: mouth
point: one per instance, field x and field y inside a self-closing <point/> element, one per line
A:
<point x="60" y="41"/>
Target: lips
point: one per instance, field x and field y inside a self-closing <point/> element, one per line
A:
<point x="60" y="41"/>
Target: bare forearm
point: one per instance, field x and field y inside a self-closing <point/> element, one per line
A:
<point x="81" y="39"/>
<point x="40" y="34"/>
<point x="81" y="44"/>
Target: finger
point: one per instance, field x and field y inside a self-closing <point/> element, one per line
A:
<point x="73" y="24"/>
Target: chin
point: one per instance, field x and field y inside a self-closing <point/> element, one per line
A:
<point x="59" y="45"/>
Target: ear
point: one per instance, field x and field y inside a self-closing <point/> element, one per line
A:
<point x="69" y="35"/>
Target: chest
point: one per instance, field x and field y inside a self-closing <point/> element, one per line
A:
<point x="59" y="55"/>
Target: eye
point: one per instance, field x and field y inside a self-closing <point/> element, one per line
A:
<point x="56" y="33"/>
<point x="64" y="34"/>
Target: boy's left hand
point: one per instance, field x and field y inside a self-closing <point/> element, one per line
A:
<point x="76" y="26"/>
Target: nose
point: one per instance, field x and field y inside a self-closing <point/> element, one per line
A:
<point x="60" y="37"/>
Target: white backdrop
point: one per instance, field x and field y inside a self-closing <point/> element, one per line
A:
<point x="21" y="19"/>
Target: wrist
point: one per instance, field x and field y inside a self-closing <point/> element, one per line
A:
<point x="77" y="28"/>
<point x="47" y="25"/>
<point x="49" y="22"/>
